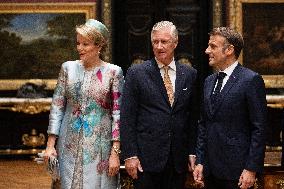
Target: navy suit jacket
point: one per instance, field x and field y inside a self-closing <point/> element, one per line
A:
<point x="150" y="127"/>
<point x="231" y="134"/>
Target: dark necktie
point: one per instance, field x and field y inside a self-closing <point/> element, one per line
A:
<point x="220" y="78"/>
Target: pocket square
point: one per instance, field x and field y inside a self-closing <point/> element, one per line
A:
<point x="184" y="89"/>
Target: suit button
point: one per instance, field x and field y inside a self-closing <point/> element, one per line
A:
<point x="170" y="134"/>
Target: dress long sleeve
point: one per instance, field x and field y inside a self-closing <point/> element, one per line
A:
<point x="116" y="90"/>
<point x="58" y="104"/>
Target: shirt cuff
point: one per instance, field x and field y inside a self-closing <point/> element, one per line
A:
<point x="133" y="157"/>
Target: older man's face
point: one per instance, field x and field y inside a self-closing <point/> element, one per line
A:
<point x="163" y="46"/>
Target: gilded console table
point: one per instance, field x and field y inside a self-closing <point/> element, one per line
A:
<point x="38" y="105"/>
<point x="273" y="177"/>
<point x="31" y="141"/>
<point x="273" y="172"/>
<point x="275" y="101"/>
<point x="26" y="105"/>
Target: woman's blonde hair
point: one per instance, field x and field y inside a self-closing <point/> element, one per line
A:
<point x="94" y="31"/>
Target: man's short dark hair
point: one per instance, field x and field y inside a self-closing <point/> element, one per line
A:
<point x="233" y="38"/>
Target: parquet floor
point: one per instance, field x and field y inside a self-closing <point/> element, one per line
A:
<point x="23" y="174"/>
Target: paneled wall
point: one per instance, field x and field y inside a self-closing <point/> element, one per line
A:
<point x="134" y="19"/>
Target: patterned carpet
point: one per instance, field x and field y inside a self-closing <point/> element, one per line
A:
<point x="23" y="174"/>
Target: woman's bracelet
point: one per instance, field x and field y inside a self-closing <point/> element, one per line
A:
<point x="116" y="149"/>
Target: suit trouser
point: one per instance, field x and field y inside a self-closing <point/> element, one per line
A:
<point x="169" y="178"/>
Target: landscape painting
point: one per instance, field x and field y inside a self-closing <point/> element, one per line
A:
<point x="34" y="45"/>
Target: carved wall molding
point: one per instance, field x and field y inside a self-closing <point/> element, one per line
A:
<point x="217" y="13"/>
<point x="33" y="139"/>
<point x="184" y="22"/>
<point x="106" y="19"/>
<point x="139" y="24"/>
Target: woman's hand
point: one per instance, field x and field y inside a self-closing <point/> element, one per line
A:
<point x="114" y="164"/>
<point x="49" y="151"/>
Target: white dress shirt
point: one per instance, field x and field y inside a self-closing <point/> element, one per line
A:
<point x="228" y="72"/>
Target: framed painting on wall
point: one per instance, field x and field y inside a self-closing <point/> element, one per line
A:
<point x="262" y="24"/>
<point x="36" y="38"/>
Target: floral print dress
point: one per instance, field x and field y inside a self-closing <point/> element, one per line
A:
<point x="85" y="116"/>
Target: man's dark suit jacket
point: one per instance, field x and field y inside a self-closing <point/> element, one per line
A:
<point x="231" y="134"/>
<point x="150" y="127"/>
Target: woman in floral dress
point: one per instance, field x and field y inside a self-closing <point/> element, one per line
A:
<point x="84" y="115"/>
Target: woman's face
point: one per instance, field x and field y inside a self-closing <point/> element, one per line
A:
<point x="87" y="50"/>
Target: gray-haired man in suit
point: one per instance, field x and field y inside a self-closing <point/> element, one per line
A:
<point x="157" y="130"/>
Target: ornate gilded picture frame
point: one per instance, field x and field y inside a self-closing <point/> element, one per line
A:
<point x="262" y="24"/>
<point x="36" y="38"/>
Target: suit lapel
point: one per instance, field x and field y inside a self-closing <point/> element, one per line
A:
<point x="231" y="81"/>
<point x="208" y="91"/>
<point x="155" y="74"/>
<point x="179" y="83"/>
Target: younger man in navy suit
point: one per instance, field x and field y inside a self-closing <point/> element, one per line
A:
<point x="231" y="138"/>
